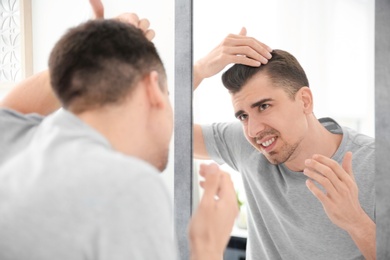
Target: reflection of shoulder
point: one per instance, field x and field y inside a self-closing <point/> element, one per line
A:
<point x="359" y="139"/>
<point x="224" y="130"/>
<point x="235" y="127"/>
<point x="331" y="125"/>
<point x="354" y="136"/>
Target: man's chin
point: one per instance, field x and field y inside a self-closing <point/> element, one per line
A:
<point x="162" y="166"/>
<point x="273" y="160"/>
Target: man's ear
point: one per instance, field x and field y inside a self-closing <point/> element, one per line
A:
<point x="307" y="99"/>
<point x="153" y="90"/>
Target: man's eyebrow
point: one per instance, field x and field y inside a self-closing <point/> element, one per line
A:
<point x="239" y="112"/>
<point x="260" y="102"/>
<point x="256" y="104"/>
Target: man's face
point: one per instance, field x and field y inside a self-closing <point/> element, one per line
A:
<point x="273" y="122"/>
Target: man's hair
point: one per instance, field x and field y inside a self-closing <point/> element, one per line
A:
<point x="283" y="69"/>
<point x="99" y="62"/>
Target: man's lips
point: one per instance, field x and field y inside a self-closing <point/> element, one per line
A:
<point x="266" y="142"/>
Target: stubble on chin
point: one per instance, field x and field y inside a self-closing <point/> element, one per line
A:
<point x="282" y="156"/>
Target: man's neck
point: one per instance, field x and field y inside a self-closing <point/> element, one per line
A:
<point x="115" y="124"/>
<point x="318" y="141"/>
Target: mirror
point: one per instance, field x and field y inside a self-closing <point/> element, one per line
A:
<point x="332" y="40"/>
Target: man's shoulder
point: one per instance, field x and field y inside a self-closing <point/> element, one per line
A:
<point x="354" y="137"/>
<point x="223" y="130"/>
<point x="360" y="140"/>
<point x="9" y="115"/>
<point x="16" y="131"/>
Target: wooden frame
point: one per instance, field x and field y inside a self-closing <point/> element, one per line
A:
<point x="15" y="42"/>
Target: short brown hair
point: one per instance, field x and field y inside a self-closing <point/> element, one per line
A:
<point x="283" y="69"/>
<point x="99" y="62"/>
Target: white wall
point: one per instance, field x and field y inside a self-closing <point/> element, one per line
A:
<point x="52" y="18"/>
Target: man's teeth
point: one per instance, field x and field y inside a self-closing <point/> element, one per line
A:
<point x="266" y="143"/>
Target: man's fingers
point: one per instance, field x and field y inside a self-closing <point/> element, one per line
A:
<point x="149" y="34"/>
<point x="212" y="176"/>
<point x="241" y="59"/>
<point x="316" y="192"/>
<point x="130" y="18"/>
<point x="98" y="8"/>
<point x="324" y="181"/>
<point x="144" y="24"/>
<point x="250" y="41"/>
<point x="243" y="31"/>
<point x="224" y="185"/>
<point x="246" y="52"/>
<point x="347" y="164"/>
<point x="248" y="46"/>
<point x="226" y="188"/>
<point x="323" y="162"/>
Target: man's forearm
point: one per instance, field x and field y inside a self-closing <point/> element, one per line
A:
<point x="365" y="237"/>
<point x="32" y="95"/>
<point x="197" y="77"/>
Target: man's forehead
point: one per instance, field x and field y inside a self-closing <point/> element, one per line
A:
<point x="259" y="83"/>
<point x="256" y="91"/>
<point x="259" y="78"/>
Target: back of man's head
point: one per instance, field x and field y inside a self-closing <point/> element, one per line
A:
<point x="99" y="62"/>
<point x="283" y="69"/>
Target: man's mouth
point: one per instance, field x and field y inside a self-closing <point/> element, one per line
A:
<point x="266" y="143"/>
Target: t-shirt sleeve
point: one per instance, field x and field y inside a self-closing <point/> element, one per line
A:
<point x="16" y="130"/>
<point x="226" y="143"/>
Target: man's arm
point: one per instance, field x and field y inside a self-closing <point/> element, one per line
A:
<point x="32" y="95"/>
<point x="364" y="236"/>
<point x="235" y="48"/>
<point x="341" y="202"/>
<point x="200" y="151"/>
<point x="213" y="220"/>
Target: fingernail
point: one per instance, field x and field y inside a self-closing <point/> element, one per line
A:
<point x="264" y="60"/>
<point x="307" y="161"/>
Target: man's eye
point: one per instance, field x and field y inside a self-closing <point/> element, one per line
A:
<point x="263" y="107"/>
<point x="242" y="117"/>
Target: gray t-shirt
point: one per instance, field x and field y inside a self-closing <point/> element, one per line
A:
<point x="285" y="220"/>
<point x="66" y="194"/>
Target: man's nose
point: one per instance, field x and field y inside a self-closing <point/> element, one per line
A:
<point x="255" y="126"/>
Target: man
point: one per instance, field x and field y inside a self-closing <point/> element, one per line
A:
<point x="286" y="155"/>
<point x="82" y="183"/>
